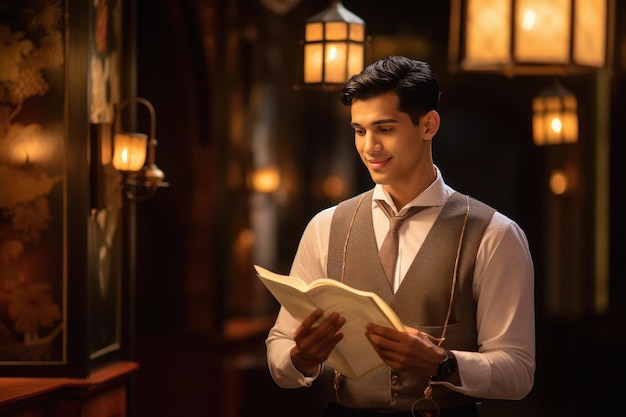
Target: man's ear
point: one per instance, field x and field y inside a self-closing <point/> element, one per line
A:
<point x="432" y="121"/>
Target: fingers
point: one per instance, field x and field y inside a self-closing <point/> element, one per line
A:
<point x="315" y="340"/>
<point x="389" y="343"/>
<point x="412" y="331"/>
<point x="410" y="351"/>
<point x="311" y="328"/>
<point x="381" y="333"/>
<point x="312" y="319"/>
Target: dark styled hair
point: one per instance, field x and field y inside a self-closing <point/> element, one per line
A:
<point x="413" y="81"/>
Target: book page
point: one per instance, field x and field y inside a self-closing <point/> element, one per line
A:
<point x="354" y="355"/>
<point x="292" y="298"/>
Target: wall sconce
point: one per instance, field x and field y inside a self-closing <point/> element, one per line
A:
<point x="134" y="156"/>
<point x="334" y="47"/>
<point x="555" y="116"/>
<point x="530" y="36"/>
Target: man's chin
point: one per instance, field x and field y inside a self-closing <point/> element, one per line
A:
<point x="379" y="178"/>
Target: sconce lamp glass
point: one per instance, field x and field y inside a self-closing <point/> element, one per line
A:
<point x="509" y="36"/>
<point x="334" y="47"/>
<point x="555" y="116"/>
<point x="129" y="153"/>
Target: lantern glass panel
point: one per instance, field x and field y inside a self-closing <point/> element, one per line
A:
<point x="590" y="33"/>
<point x="553" y="127"/>
<point x="313" y="61"/>
<point x="488" y="32"/>
<point x="355" y="59"/>
<point x="336" y="31"/>
<point x="542" y="31"/>
<point x="335" y="61"/>
<point x="569" y="103"/>
<point x="569" y="121"/>
<point x="357" y="32"/>
<point x="314" y="32"/>
<point x="553" y="103"/>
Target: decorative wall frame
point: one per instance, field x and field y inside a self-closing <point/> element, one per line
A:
<point x="61" y="289"/>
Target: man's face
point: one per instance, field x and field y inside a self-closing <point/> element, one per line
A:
<point x="394" y="150"/>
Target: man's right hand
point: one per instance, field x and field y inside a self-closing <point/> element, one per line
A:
<point x="315" y="341"/>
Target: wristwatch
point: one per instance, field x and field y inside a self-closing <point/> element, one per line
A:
<point x="447" y="367"/>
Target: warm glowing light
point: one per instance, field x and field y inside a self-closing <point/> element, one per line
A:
<point x="559" y="183"/>
<point x="332" y="53"/>
<point x="556" y="125"/>
<point x="129" y="152"/>
<point x="266" y="180"/>
<point x="245" y="239"/>
<point x="529" y="20"/>
<point x="334" y="187"/>
<point x="29" y="144"/>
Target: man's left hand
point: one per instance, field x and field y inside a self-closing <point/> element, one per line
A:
<point x="410" y="351"/>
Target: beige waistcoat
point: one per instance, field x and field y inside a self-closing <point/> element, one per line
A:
<point x="421" y="301"/>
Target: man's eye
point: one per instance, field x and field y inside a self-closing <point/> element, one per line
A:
<point x="359" y="132"/>
<point x="386" y="129"/>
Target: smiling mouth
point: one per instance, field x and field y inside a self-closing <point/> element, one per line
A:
<point x="376" y="164"/>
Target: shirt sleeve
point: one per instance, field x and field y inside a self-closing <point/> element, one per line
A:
<point x="504" y="366"/>
<point x="309" y="264"/>
<point x="279" y="343"/>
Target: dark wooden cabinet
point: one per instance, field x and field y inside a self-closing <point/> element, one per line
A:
<point x="102" y="394"/>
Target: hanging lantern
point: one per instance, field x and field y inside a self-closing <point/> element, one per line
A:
<point x="555" y="116"/>
<point x="530" y="36"/>
<point x="334" y="47"/>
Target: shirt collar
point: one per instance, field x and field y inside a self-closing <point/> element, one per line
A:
<point x="435" y="195"/>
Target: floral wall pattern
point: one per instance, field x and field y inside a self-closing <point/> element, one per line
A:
<point x="31" y="180"/>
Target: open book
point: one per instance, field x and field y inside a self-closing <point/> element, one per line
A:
<point x="353" y="356"/>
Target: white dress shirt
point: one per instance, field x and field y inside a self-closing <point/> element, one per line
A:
<point x="503" y="288"/>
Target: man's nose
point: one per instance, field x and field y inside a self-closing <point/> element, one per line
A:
<point x="371" y="143"/>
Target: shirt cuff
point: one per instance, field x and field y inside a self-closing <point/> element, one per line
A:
<point x="307" y="381"/>
<point x="474" y="371"/>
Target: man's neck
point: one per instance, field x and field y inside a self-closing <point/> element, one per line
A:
<point x="403" y="193"/>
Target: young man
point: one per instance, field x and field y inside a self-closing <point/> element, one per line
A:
<point x="462" y="283"/>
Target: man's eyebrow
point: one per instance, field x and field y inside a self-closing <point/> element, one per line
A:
<point x="377" y="122"/>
